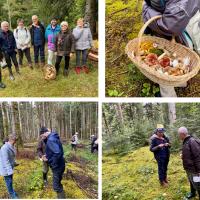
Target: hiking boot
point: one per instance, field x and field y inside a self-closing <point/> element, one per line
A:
<point x="17" y="70"/>
<point x="190" y="195"/>
<point x="61" y="195"/>
<point x="163" y="184"/>
<point x="78" y="70"/>
<point x="166" y="180"/>
<point x="2" y="85"/>
<point x="30" y="65"/>
<point x="66" y="72"/>
<point x="85" y="69"/>
<point x="12" y="78"/>
<point x="45" y="183"/>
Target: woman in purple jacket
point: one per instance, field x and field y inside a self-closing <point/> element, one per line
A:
<point x="180" y="18"/>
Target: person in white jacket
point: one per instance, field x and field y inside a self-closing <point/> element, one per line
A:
<point x="23" y="41"/>
<point x="74" y="141"/>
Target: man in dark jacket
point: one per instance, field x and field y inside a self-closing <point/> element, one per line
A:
<point x="41" y="153"/>
<point x="160" y="147"/>
<point x="37" y="31"/>
<point x="54" y="156"/>
<point x="8" y="46"/>
<point x="191" y="160"/>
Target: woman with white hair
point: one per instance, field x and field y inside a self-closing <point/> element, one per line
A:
<point x="8" y="46"/>
<point x="64" y="47"/>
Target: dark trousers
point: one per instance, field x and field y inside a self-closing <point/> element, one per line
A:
<point x="0" y="75"/>
<point x="57" y="178"/>
<point x="11" y="57"/>
<point x="162" y="168"/>
<point x="73" y="147"/>
<point x="9" y="185"/>
<point x="58" y="61"/>
<point x="93" y="148"/>
<point x="193" y="186"/>
<point x="84" y="54"/>
<point x="27" y="54"/>
<point x="39" y="50"/>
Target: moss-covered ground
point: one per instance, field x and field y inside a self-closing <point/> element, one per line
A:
<point x="123" y="79"/>
<point x="134" y="177"/>
<point x="80" y="180"/>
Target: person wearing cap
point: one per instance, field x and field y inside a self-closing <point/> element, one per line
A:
<point x="191" y="160"/>
<point x="54" y="157"/>
<point x="23" y="40"/>
<point x="51" y="32"/>
<point x="7" y="164"/>
<point x="41" y="153"/>
<point x="64" y="47"/>
<point x="160" y="146"/>
<point x="74" y="141"/>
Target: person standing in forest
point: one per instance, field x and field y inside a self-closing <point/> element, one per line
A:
<point x="50" y="34"/>
<point x="191" y="160"/>
<point x="74" y="141"/>
<point x="37" y="31"/>
<point x="23" y="39"/>
<point x="64" y="47"/>
<point x="94" y="143"/>
<point x="160" y="147"/>
<point x="8" y="47"/>
<point x="41" y="153"/>
<point x="7" y="164"/>
<point x="54" y="157"/>
<point x="83" y="38"/>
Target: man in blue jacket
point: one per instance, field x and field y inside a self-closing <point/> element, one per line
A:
<point x="8" y="46"/>
<point x="54" y="156"/>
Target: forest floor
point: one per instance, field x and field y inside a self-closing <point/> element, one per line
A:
<point x="134" y="177"/>
<point x="80" y="180"/>
<point x="31" y="83"/>
<point x="123" y="79"/>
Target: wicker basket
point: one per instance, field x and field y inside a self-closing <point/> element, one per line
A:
<point x="132" y="50"/>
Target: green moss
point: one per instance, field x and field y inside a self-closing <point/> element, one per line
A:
<point x="134" y="176"/>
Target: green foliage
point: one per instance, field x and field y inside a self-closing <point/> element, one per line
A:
<point x="149" y="90"/>
<point x="35" y="181"/>
<point x="115" y="93"/>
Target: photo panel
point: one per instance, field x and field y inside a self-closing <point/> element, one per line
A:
<point x="151" y="151"/>
<point x="49" y="150"/>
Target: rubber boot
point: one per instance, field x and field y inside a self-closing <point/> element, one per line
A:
<point x="45" y="179"/>
<point x="12" y="78"/>
<point x="192" y="192"/>
<point x="17" y="69"/>
<point x="66" y="72"/>
<point x="61" y="195"/>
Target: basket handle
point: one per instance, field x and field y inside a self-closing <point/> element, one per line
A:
<point x="144" y="28"/>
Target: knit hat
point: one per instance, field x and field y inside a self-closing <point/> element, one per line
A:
<point x="43" y="130"/>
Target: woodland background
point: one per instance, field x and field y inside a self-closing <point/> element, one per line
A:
<point x="80" y="180"/>
<point x="129" y="168"/>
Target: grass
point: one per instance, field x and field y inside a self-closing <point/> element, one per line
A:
<point x="28" y="178"/>
<point x="134" y="177"/>
<point x="31" y="83"/>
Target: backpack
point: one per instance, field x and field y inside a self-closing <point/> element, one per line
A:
<point x="25" y="30"/>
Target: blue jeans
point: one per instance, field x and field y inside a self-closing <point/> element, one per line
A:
<point x="9" y="185"/>
<point x="83" y="61"/>
<point x="39" y="50"/>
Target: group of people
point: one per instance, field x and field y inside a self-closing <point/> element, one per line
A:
<point x="61" y="42"/>
<point x="49" y="151"/>
<point x="160" y="146"/>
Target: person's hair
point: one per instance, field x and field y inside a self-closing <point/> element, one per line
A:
<point x="80" y="19"/>
<point x="64" y="23"/>
<point x="12" y="137"/>
<point x="20" y="20"/>
<point x="35" y="16"/>
<point x="183" y="129"/>
<point x="3" y="23"/>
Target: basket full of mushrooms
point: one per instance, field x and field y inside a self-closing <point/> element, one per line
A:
<point x="162" y="61"/>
